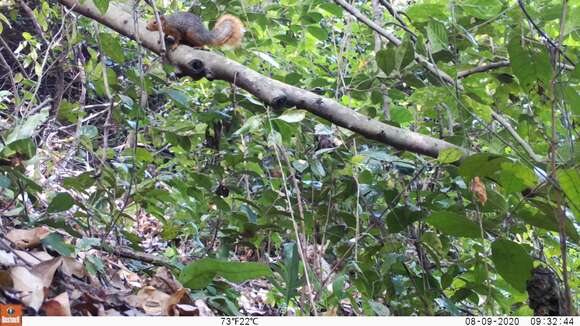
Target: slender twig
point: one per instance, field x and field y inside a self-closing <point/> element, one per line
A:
<point x="279" y="153"/>
<point x="386" y="105"/>
<point x="367" y="21"/>
<point x="543" y="34"/>
<point x="7" y="48"/>
<point x="15" y="252"/>
<point x="397" y="42"/>
<point x="40" y="106"/>
<point x="35" y="23"/>
<point x="55" y="40"/>
<point x="436" y="71"/>
<point x="59" y="86"/>
<point x="484" y="68"/>
<point x="300" y="239"/>
<point x="517" y="137"/>
<point x="558" y="210"/>
<point x="143" y="105"/>
<point x="495" y="65"/>
<point x="161" y="34"/>
<point x="132" y="254"/>
<point x="11" y="77"/>
<point x="398" y="17"/>
<point x="107" y="125"/>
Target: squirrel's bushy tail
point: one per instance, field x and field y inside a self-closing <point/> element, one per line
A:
<point x="228" y="30"/>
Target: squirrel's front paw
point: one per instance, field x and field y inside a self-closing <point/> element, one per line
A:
<point x="171" y="42"/>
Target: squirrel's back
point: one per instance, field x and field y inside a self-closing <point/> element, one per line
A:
<point x="189" y="28"/>
<point x="184" y="22"/>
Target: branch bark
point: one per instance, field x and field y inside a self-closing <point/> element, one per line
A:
<point x="199" y="64"/>
<point x="484" y="68"/>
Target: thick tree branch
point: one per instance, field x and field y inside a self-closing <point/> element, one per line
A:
<point x="199" y="64"/>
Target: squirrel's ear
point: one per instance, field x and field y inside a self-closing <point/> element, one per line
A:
<point x="162" y="19"/>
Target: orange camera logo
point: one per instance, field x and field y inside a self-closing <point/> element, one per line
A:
<point x="10" y="315"/>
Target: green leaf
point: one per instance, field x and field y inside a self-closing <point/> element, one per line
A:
<point x="199" y="274"/>
<point x="5" y="20"/>
<point x="515" y="177"/>
<point x="528" y="64"/>
<point x="180" y="97"/>
<point x="401" y="115"/>
<point x="332" y="8"/>
<point x="432" y="240"/>
<point x="27" y="128"/>
<point x="386" y="59"/>
<point x="572" y="96"/>
<point x="102" y="5"/>
<point x="318" y="32"/>
<point x="89" y="131"/>
<point x="56" y="242"/>
<point x="544" y="218"/>
<point x="111" y="46"/>
<point x="426" y="11"/>
<point x="94" y="264"/>
<point x="512" y="262"/>
<point x="454" y="224"/>
<point x="23" y="147"/>
<point x="79" y="183"/>
<point x="291" y="266"/>
<point x="570" y="182"/>
<point x="482" y="9"/>
<point x="60" y="203"/>
<point x="520" y="62"/>
<point x="293" y="116"/>
<point x="481" y="164"/>
<point x="379" y="309"/>
<point x="449" y="155"/>
<point x="252" y="124"/>
<point x="143" y="155"/>
<point x="405" y="54"/>
<point x="401" y="217"/>
<point x="437" y="34"/>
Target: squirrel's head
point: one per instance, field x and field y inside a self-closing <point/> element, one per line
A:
<point x="152" y="25"/>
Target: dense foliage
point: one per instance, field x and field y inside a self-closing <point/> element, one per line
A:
<point x="205" y="175"/>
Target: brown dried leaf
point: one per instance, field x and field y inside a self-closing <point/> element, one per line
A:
<point x="204" y="310"/>
<point x="29" y="286"/>
<point x="7" y="259"/>
<point x="478" y="189"/>
<point x="27" y="238"/>
<point x="45" y="270"/>
<point x="124" y="277"/>
<point x="151" y="300"/>
<point x="165" y="281"/>
<point x="155" y="302"/>
<point x="33" y="257"/>
<point x="186" y="310"/>
<point x="5" y="280"/>
<point x="72" y="267"/>
<point x="57" y="306"/>
<point x="174" y="300"/>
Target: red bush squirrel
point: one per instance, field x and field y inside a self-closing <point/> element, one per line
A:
<point x="188" y="29"/>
